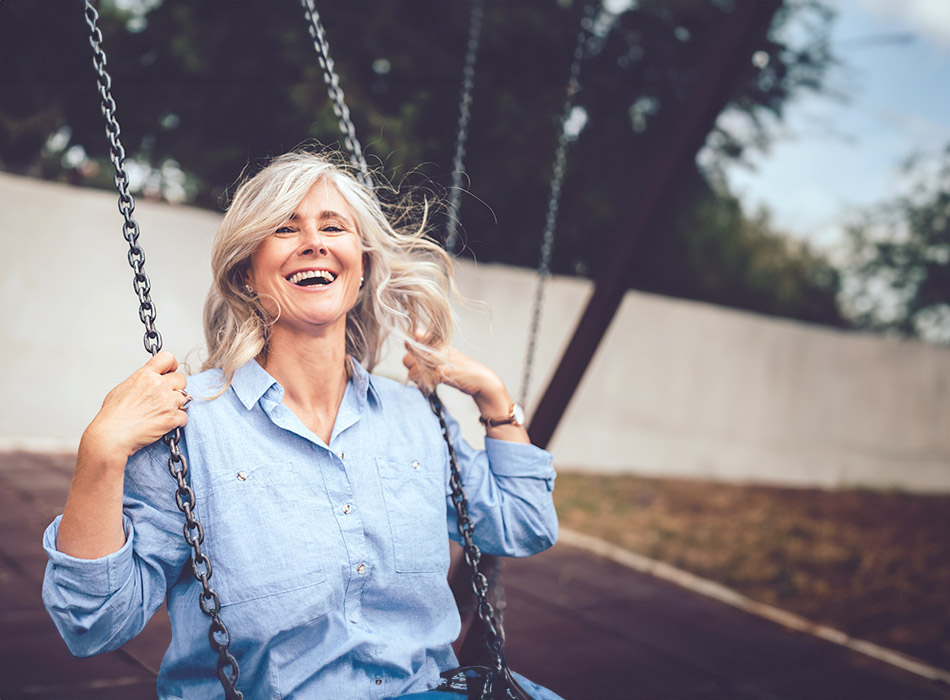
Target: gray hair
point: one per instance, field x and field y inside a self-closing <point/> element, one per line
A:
<point x="408" y="283"/>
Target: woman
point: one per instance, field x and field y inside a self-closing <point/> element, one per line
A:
<point x="322" y="489"/>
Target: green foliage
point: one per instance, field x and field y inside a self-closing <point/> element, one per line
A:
<point x="207" y="88"/>
<point x="899" y="277"/>
<point x="735" y="259"/>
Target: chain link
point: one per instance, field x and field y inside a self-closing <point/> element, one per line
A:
<point x="227" y="667"/>
<point x="554" y="202"/>
<point x="465" y="116"/>
<point x="322" y="47"/>
<point x="494" y="633"/>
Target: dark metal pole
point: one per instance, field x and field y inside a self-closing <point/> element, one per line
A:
<point x="728" y="57"/>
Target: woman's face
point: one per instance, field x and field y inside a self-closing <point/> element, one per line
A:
<point x="309" y="269"/>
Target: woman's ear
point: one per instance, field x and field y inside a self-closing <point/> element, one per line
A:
<point x="245" y="277"/>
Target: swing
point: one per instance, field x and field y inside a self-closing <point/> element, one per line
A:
<point x="494" y="564"/>
<point x="227" y="666"/>
<point x="488" y="683"/>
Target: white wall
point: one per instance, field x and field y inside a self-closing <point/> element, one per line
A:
<point x="676" y="389"/>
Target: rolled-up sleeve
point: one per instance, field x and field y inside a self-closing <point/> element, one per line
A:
<point x="99" y="604"/>
<point x="78" y="593"/>
<point x="509" y="489"/>
<point x="94" y="577"/>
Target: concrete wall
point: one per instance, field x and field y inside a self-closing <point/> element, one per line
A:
<point x="677" y="388"/>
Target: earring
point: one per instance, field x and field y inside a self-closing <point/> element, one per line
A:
<point x="249" y="289"/>
<point x="361" y="281"/>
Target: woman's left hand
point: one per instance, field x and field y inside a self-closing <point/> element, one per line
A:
<point x="458" y="371"/>
<point x="471" y="377"/>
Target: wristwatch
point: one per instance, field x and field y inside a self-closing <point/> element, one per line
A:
<point x="515" y="417"/>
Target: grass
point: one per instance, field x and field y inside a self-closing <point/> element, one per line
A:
<point x="873" y="564"/>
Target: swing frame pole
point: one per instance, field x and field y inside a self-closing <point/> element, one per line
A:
<point x="729" y="56"/>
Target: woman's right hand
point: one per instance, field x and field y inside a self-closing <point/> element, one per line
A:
<point x="143" y="408"/>
<point x="136" y="413"/>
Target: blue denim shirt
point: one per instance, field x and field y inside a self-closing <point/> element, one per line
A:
<point x="330" y="560"/>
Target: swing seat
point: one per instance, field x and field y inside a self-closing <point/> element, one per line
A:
<point x="467" y="683"/>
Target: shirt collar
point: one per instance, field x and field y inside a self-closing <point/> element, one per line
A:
<point x="251" y="382"/>
<point x="363" y="382"/>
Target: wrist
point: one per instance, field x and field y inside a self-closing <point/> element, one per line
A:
<point x="492" y="397"/>
<point x="100" y="446"/>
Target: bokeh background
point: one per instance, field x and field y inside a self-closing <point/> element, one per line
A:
<point x="769" y="405"/>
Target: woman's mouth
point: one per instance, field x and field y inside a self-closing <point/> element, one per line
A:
<point x="310" y="278"/>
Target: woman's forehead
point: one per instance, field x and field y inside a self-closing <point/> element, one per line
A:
<point x="322" y="200"/>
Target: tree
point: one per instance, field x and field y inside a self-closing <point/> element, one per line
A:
<point x="204" y="89"/>
<point x="898" y="277"/>
<point x="736" y="259"/>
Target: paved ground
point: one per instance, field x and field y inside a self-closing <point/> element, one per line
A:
<point x="584" y="626"/>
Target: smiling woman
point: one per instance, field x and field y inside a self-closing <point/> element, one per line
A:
<point x="324" y="491"/>
<point x="305" y="212"/>
<point x="310" y="271"/>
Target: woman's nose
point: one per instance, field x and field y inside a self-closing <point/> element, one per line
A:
<point x="312" y="243"/>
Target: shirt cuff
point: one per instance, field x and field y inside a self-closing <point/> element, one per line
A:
<point x="98" y="577"/>
<point x="519" y="459"/>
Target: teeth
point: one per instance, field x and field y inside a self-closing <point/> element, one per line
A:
<point x="311" y="274"/>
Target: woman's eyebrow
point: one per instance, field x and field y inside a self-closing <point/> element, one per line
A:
<point x="330" y="214"/>
<point x="327" y="214"/>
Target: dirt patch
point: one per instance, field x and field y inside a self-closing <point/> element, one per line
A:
<point x="873" y="564"/>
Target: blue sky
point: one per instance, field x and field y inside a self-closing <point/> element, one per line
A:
<point x="833" y="157"/>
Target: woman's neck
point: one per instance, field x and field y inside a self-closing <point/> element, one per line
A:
<point x="312" y="371"/>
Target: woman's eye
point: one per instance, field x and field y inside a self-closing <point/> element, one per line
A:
<point x="284" y="231"/>
<point x="332" y="228"/>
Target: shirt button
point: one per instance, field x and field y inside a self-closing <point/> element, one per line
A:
<point x="416" y="465"/>
<point x="346" y="509"/>
<point x="361" y="569"/>
<point x="242" y="476"/>
<point x="340" y="454"/>
<point x="379" y="681"/>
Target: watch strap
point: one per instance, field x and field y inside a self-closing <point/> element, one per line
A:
<point x="514" y="411"/>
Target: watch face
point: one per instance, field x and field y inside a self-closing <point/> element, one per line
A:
<point x="517" y="412"/>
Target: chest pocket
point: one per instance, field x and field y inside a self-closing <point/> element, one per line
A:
<point x="261" y="538"/>
<point x="414" y="493"/>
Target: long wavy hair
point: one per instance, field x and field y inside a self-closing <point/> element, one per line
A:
<point x="408" y="285"/>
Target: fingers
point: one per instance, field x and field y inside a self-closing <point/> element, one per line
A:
<point x="162" y="362"/>
<point x="414" y="374"/>
<point x="185" y="400"/>
<point x="175" y="381"/>
<point x="181" y="418"/>
<point x="144" y="407"/>
<point x="166" y="365"/>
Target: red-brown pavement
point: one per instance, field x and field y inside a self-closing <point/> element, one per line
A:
<point x="584" y="626"/>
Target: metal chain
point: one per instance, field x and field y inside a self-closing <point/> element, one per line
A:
<point x="496" y="584"/>
<point x="465" y="115"/>
<point x="322" y="47"/>
<point x="494" y="632"/>
<point x="227" y="667"/>
<point x="554" y="201"/>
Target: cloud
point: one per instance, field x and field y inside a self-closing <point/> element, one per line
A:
<point x="920" y="130"/>
<point x="929" y="18"/>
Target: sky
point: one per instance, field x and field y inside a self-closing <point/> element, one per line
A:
<point x="833" y="157"/>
